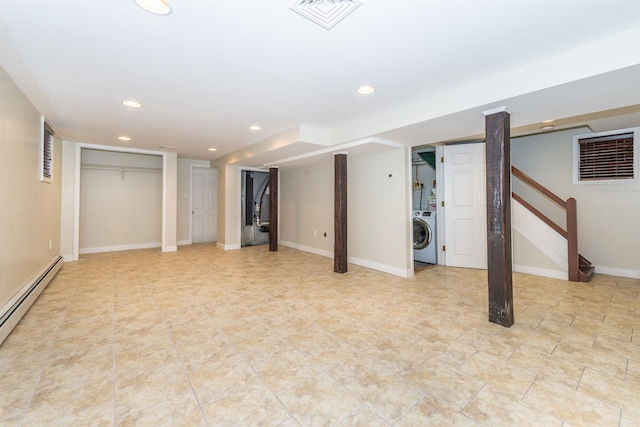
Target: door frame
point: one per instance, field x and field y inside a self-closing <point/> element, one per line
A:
<point x="76" y="196"/>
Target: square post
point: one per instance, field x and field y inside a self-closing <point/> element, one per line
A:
<point x="340" y="213"/>
<point x="273" y="209"/>
<point x="499" y="259"/>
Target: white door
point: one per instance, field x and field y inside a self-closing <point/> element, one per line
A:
<point x="465" y="205"/>
<point x="204" y="205"/>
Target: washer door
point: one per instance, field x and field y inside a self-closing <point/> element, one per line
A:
<point x="422" y="234"/>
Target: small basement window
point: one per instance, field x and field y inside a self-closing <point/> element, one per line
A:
<point x="46" y="152"/>
<point x="606" y="157"/>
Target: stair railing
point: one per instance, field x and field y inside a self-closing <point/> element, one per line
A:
<point x="571" y="232"/>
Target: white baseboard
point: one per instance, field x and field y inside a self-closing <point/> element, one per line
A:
<point x="227" y="247"/>
<point x="357" y="261"/>
<point x="121" y="248"/>
<point x="173" y="248"/>
<point x="67" y="258"/>
<point x="612" y="271"/>
<point x="183" y="242"/>
<point x="15" y="309"/>
<point x="310" y="249"/>
<point x="544" y="272"/>
<point x="381" y="267"/>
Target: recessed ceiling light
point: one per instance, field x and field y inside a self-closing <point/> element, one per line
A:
<point x="213" y="149"/>
<point x="157" y="7"/>
<point x="365" y="90"/>
<point x="132" y="104"/>
<point x="548" y="127"/>
<point x="124" y="138"/>
<point x="255" y="127"/>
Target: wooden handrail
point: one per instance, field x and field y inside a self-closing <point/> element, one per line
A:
<point x="571" y="233"/>
<point x="533" y="183"/>
<point x="540" y="215"/>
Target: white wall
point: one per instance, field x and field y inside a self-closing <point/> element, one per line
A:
<point x="183" y="233"/>
<point x="30" y="209"/>
<point x="377" y="210"/>
<point x="120" y="210"/>
<point x="608" y="232"/>
<point x="229" y="179"/>
<point x="306" y="208"/>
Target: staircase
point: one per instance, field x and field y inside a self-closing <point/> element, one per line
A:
<point x="560" y="245"/>
<point x="585" y="269"/>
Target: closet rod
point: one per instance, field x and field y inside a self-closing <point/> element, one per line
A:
<point x="120" y="168"/>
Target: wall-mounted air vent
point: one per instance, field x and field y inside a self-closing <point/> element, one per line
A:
<point x="326" y="13"/>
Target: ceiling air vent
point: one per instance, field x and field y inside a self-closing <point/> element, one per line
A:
<point x="326" y="13"/>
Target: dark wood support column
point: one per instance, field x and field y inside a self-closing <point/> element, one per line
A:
<point x="273" y="209"/>
<point x="340" y="214"/>
<point x="499" y="260"/>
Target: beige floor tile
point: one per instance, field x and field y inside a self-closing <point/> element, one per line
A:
<point x="445" y="350"/>
<point x="344" y="364"/>
<point x="94" y="365"/>
<point x="143" y="358"/>
<point x="197" y="325"/>
<point x="313" y="340"/>
<point x="573" y="406"/>
<point x="253" y="406"/>
<point x="446" y="383"/>
<point x="95" y="416"/>
<point x="320" y="401"/>
<point x="16" y="390"/>
<point x="58" y="401"/>
<point x="396" y="355"/>
<point x="388" y="394"/>
<point x="532" y="359"/>
<point x="140" y="389"/>
<point x="609" y="363"/>
<point x="431" y="412"/>
<point x="508" y="378"/>
<point x="286" y="370"/>
<point x="622" y="394"/>
<point x="362" y="417"/>
<point x="218" y="380"/>
<point x="179" y="411"/>
<point x="629" y="419"/>
<point x="493" y="408"/>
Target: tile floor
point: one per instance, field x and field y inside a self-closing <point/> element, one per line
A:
<point x="206" y="337"/>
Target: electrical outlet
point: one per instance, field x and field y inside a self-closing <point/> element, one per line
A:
<point x="417" y="185"/>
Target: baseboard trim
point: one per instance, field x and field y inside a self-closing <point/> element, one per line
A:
<point x="621" y="272"/>
<point x="17" y="306"/>
<point x="183" y="242"/>
<point x="310" y="249"/>
<point x="544" y="272"/>
<point x="381" y="267"/>
<point x="353" y="260"/>
<point x="227" y="247"/>
<point x="101" y="249"/>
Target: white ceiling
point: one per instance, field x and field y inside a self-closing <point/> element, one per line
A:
<point x="212" y="68"/>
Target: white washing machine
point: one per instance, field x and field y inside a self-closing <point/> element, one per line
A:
<point x="425" y="246"/>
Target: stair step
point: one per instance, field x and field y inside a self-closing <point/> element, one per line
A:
<point x="585" y="272"/>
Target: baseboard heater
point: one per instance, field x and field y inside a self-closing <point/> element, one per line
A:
<point x="13" y="311"/>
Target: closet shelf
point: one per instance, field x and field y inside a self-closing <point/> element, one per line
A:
<point x="121" y="169"/>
